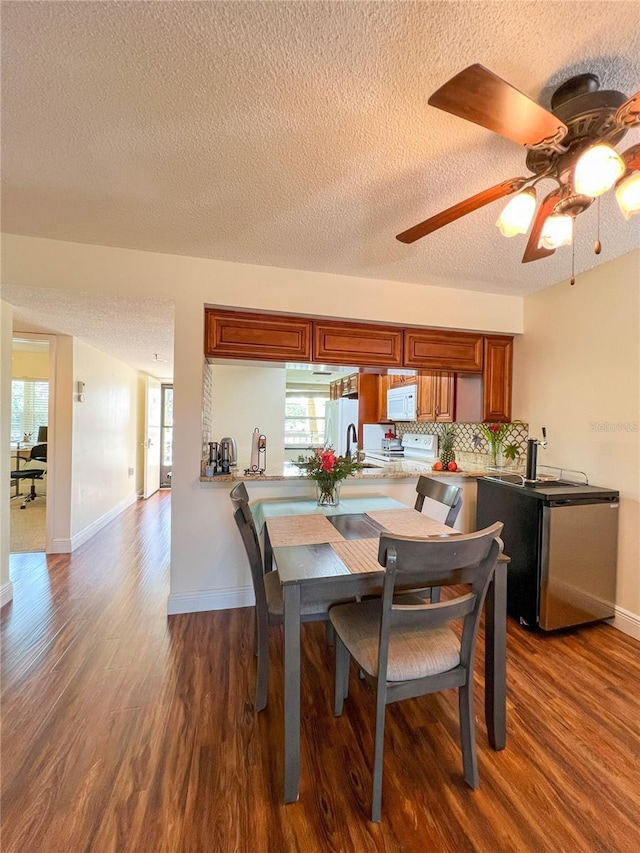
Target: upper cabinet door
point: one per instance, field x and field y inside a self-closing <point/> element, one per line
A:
<point x="436" y="396"/>
<point x="357" y="344"/>
<point x="434" y="350"/>
<point x="231" y="334"/>
<point x="498" y="368"/>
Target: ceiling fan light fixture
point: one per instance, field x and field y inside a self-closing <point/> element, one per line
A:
<point x="628" y="194"/>
<point x="557" y="231"/>
<point x="597" y="170"/>
<point x="518" y="214"/>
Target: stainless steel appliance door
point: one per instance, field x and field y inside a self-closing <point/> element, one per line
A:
<point x="578" y="563"/>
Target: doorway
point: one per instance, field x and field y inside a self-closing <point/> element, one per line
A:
<point x="166" y="439"/>
<point x="30" y="386"/>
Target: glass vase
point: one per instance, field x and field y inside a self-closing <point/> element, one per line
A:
<point x="496" y="457"/>
<point x="328" y="495"/>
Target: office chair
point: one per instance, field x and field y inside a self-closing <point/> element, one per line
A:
<point x="38" y="454"/>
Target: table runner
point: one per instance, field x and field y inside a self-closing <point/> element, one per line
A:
<point x="358" y="555"/>
<point x="407" y="522"/>
<point x="301" y="530"/>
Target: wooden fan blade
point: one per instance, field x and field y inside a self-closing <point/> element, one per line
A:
<point x="478" y="95"/>
<point x="534" y="252"/>
<point x="631" y="158"/>
<point x="628" y="115"/>
<point x="461" y="209"/>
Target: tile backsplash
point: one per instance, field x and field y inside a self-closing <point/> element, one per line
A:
<point x="468" y="438"/>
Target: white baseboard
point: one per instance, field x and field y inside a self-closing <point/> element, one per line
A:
<point x="6" y="593"/>
<point x="627" y="622"/>
<point x="67" y="546"/>
<point x="211" y="599"/>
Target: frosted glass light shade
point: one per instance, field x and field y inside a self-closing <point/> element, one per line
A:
<point x="557" y="231"/>
<point x="597" y="170"/>
<point x="628" y="194"/>
<point x="517" y="215"/>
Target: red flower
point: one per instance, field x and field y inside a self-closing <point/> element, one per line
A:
<point x="328" y="461"/>
<point x="495" y="427"/>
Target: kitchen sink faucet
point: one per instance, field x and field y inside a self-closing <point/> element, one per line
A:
<point x="351" y="433"/>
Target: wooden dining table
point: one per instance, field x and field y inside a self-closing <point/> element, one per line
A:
<point x="336" y="557"/>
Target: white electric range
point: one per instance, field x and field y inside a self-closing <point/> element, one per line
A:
<point x="416" y="447"/>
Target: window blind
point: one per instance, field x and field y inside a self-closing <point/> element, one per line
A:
<point x="29" y="407"/>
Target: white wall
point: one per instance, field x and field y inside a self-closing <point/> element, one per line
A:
<point x="245" y="398"/>
<point x="577" y="372"/>
<point x="6" y="326"/>
<point x="105" y="433"/>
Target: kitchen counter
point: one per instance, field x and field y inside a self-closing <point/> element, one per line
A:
<point x="396" y="469"/>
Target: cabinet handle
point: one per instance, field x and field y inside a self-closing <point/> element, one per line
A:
<point x="437" y="410"/>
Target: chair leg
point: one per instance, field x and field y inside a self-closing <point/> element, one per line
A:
<point x="341" y="684"/>
<point x="468" y="735"/>
<point x="262" y="677"/>
<point x="378" y="754"/>
<point x="331" y="633"/>
<point x="435" y="594"/>
<point x="255" y="632"/>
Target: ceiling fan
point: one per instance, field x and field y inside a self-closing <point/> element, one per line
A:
<point x="584" y="123"/>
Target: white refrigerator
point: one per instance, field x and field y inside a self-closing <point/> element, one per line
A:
<point x="339" y="414"/>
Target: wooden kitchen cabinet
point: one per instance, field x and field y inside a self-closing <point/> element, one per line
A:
<point x="357" y="344"/>
<point x="436" y="396"/>
<point x="233" y="334"/>
<point x="397" y="380"/>
<point x="350" y="385"/>
<point x="431" y="349"/>
<point x="497" y="378"/>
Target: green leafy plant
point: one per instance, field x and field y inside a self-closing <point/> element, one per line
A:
<point x="496" y="434"/>
<point x="511" y="452"/>
<point x="327" y="469"/>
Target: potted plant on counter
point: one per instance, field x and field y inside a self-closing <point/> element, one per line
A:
<point x="328" y="470"/>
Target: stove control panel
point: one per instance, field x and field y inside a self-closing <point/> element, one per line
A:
<point x="414" y="441"/>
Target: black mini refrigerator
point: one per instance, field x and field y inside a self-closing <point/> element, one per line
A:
<point x="562" y="539"/>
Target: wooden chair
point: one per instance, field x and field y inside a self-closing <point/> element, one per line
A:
<point x="268" y="594"/>
<point x="239" y="495"/>
<point x="409" y="650"/>
<point x="450" y="496"/>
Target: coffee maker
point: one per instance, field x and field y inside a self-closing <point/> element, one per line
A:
<point x="228" y="453"/>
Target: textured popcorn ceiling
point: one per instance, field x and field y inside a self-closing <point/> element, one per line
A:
<point x="291" y="134"/>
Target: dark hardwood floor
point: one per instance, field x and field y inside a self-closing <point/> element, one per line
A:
<point x="125" y="730"/>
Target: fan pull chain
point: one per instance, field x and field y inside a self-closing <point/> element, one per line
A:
<point x="573" y="250"/>
<point x="598" y="246"/>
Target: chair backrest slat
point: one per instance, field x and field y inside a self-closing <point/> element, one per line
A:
<point x="443" y="493"/>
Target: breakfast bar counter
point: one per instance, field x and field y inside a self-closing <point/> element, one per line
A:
<point x="397" y="470"/>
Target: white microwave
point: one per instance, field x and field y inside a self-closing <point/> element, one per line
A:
<point x="402" y="403"/>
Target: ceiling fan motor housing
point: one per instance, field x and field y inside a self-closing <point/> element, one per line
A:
<point x="589" y="115"/>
